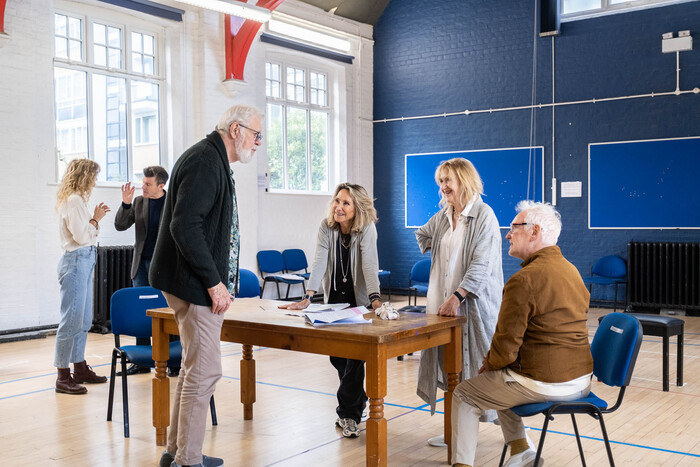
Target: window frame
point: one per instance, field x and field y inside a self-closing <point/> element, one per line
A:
<point x="608" y="8"/>
<point x="90" y="15"/>
<point x="329" y="70"/>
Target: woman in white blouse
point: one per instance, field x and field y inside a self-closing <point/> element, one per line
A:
<point x="466" y="277"/>
<point x="78" y="229"/>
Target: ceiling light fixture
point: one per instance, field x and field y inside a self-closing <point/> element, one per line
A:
<point x="307" y="35"/>
<point x="233" y="7"/>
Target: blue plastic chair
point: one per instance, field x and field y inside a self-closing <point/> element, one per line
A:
<point x="249" y="285"/>
<point x="271" y="263"/>
<point x="295" y="261"/>
<point x="615" y="348"/>
<point x="128" y="316"/>
<point x="608" y="270"/>
<point x="384" y="274"/>
<point x="418" y="280"/>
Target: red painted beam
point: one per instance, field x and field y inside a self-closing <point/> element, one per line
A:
<point x="2" y="15"/>
<point x="239" y="35"/>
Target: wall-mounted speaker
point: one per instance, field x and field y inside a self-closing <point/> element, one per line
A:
<point x="549" y="17"/>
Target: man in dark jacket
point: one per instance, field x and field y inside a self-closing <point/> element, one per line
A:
<point x="143" y="211"/>
<point x="540" y="350"/>
<point x="195" y="264"/>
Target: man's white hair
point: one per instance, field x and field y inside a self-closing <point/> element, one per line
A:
<point x="544" y="215"/>
<point x="242" y="114"/>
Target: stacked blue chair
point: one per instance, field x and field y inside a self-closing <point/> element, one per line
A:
<point x="295" y="262"/>
<point x="384" y="274"/>
<point x="128" y="315"/>
<point x="418" y="280"/>
<point x="614" y="348"/>
<point x="608" y="270"/>
<point x="249" y="285"/>
<point x="271" y="264"/>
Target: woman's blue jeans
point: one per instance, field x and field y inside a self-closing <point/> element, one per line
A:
<point x="75" y="278"/>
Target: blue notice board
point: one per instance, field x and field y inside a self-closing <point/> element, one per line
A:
<point x="651" y="184"/>
<point x="509" y="176"/>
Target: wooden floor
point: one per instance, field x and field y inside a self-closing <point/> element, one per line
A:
<point x="295" y="414"/>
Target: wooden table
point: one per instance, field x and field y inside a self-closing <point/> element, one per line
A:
<point x="252" y="321"/>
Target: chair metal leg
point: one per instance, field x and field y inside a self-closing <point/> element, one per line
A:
<point x="112" y="375"/>
<point x="578" y="440"/>
<point x="286" y="297"/>
<point x="262" y="292"/>
<point x="503" y="455"/>
<point x="125" y="398"/>
<point x="679" y="359"/>
<point x="279" y="295"/>
<point x="605" y="437"/>
<point x="665" y="362"/>
<point x="212" y="408"/>
<point x="540" y="446"/>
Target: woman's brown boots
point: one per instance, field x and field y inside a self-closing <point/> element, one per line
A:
<point x="65" y="383"/>
<point x="71" y="384"/>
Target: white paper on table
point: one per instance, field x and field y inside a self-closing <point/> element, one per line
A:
<point x="317" y="307"/>
<point x="346" y="316"/>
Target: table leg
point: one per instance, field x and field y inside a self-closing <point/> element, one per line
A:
<point x="161" y="384"/>
<point x="247" y="382"/>
<point x="376" y="448"/>
<point x="453" y="367"/>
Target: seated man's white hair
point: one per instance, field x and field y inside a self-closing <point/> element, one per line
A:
<point x="544" y="215"/>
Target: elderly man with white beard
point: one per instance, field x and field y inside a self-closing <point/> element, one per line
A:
<point x="195" y="264"/>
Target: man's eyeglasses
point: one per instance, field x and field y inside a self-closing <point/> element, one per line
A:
<point x="513" y="226"/>
<point x="258" y="134"/>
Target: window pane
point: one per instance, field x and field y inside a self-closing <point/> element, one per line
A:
<point x="99" y="33"/>
<point x="148" y="45"/>
<point x="75" y="28"/>
<point x="60" y="25"/>
<point x="136" y="45"/>
<point x="149" y="67"/>
<point x="70" y="96"/>
<point x="115" y="58"/>
<point x="274" y="140"/>
<point x="574" y="6"/>
<point x="296" y="149"/>
<point x="115" y="37"/>
<point x="145" y="115"/>
<point x="76" y="50"/>
<point x="319" y="151"/>
<point x="109" y="127"/>
<point x="100" y="55"/>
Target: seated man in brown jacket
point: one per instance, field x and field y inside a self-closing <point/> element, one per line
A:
<point x="540" y="350"/>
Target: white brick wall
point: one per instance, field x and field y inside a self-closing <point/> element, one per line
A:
<point x="194" y="67"/>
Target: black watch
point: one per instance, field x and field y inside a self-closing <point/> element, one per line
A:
<point x="307" y="296"/>
<point x="459" y="296"/>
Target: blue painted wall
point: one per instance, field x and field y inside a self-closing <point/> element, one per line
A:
<point x="453" y="55"/>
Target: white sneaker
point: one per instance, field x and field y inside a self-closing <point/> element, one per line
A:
<point x="364" y="416"/>
<point x="438" y="441"/>
<point x="524" y="459"/>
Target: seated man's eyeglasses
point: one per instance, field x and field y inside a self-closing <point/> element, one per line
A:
<point x="513" y="226"/>
<point x="258" y="134"/>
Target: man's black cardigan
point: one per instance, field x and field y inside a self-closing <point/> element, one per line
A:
<point x="193" y="246"/>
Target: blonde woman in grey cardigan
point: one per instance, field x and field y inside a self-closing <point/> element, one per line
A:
<point x="347" y="266"/>
<point x="466" y="277"/>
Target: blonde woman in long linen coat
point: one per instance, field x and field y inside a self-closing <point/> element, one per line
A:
<point x="466" y="277"/>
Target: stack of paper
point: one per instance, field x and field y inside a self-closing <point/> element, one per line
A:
<point x="346" y="316"/>
<point x="316" y="307"/>
<point x="289" y="277"/>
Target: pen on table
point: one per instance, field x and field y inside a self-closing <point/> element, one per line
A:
<point x="262" y="308"/>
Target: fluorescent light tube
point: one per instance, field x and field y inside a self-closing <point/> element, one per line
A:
<point x="232" y="7"/>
